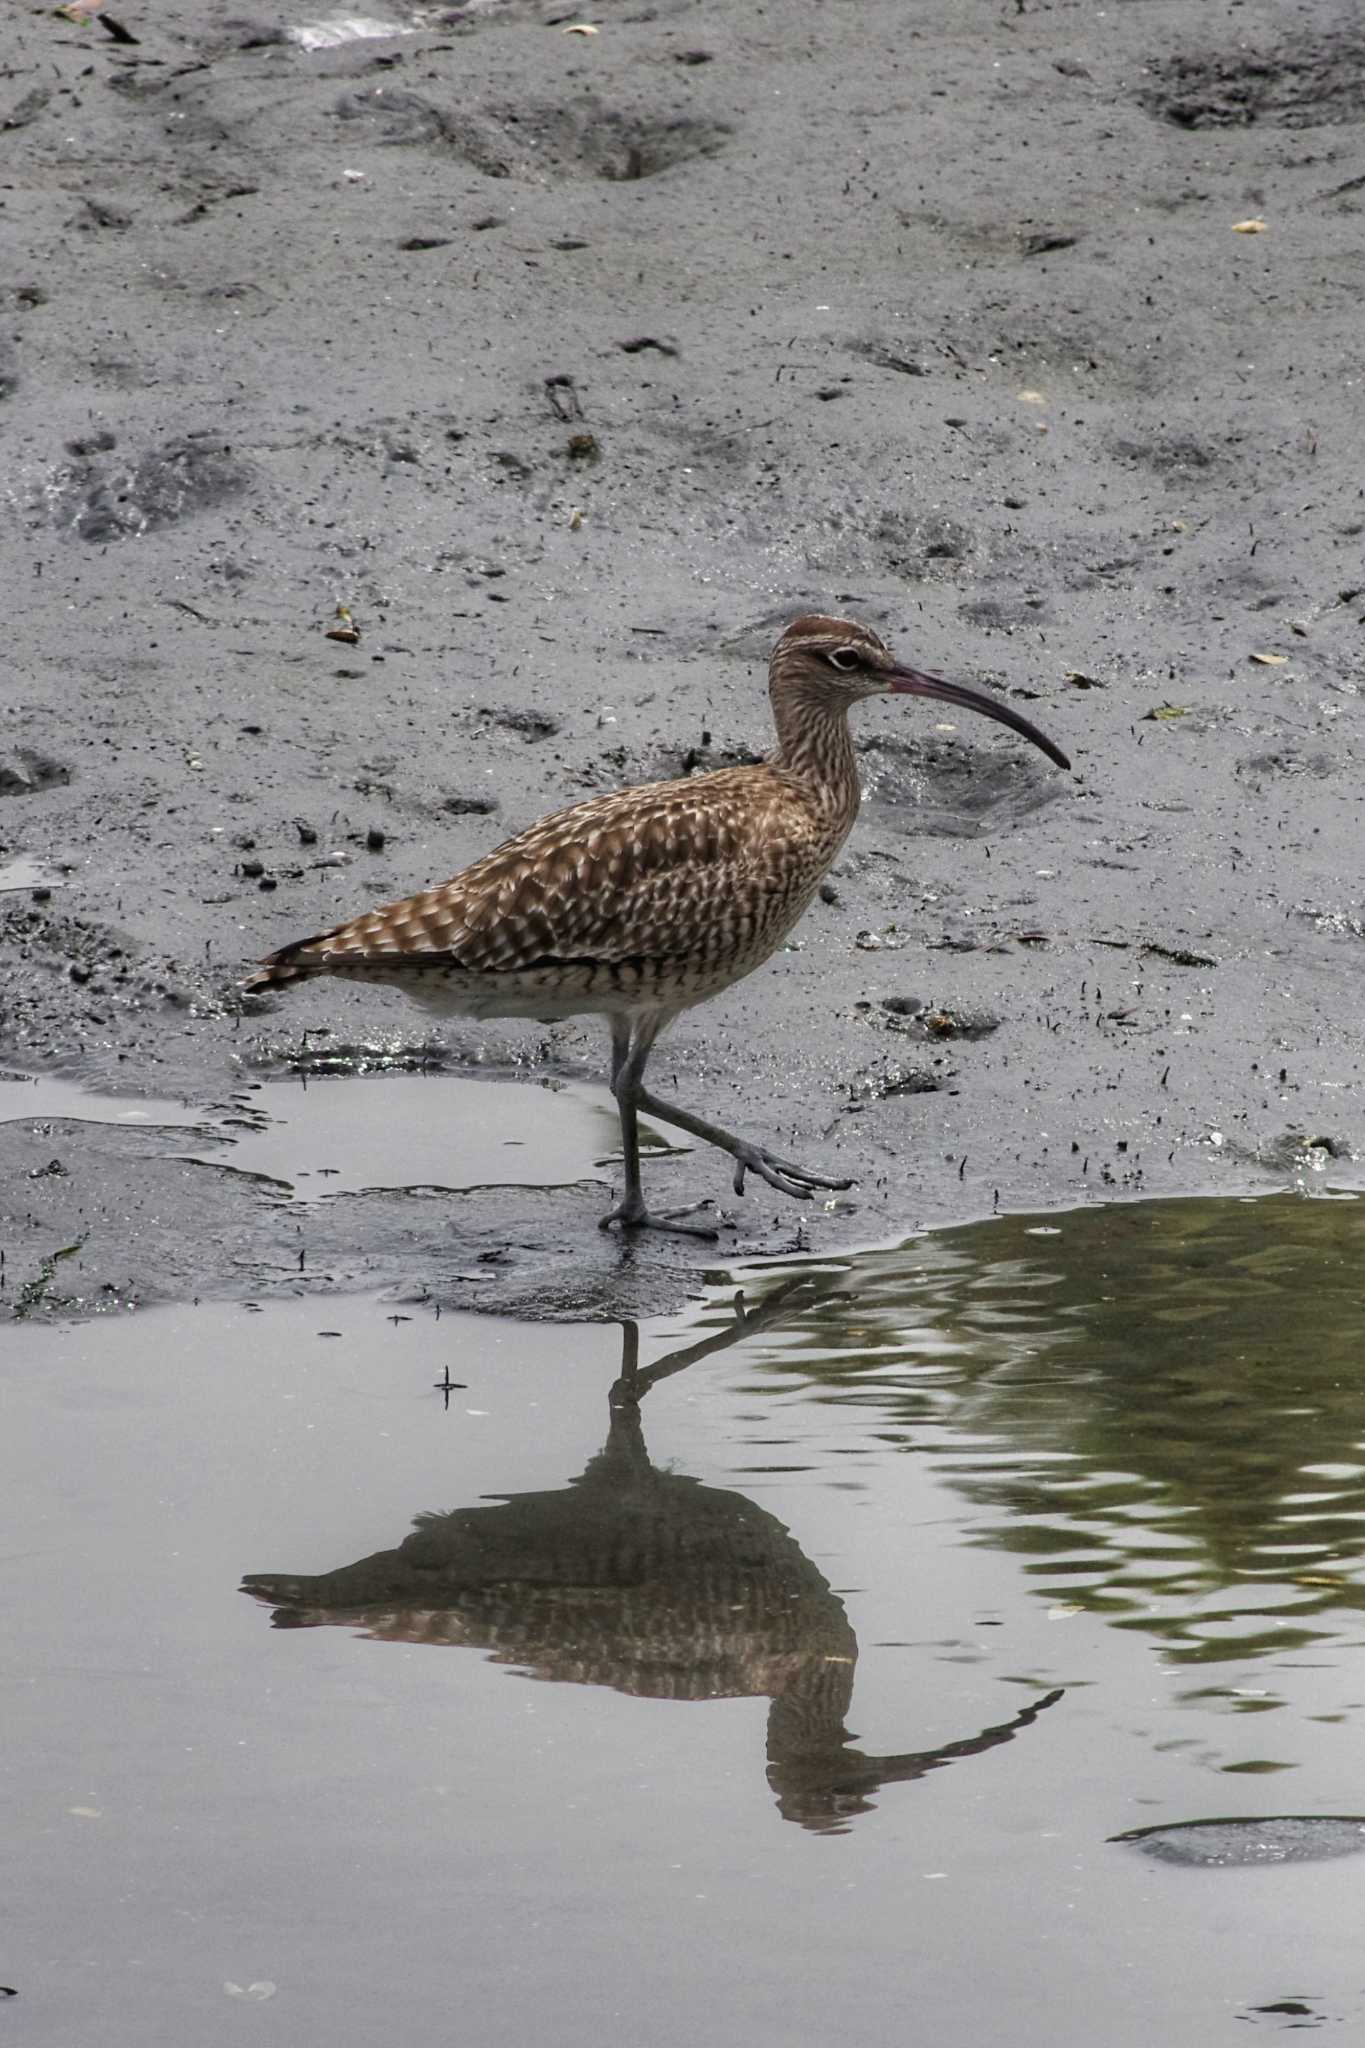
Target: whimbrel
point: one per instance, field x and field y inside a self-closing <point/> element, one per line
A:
<point x="638" y="905"/>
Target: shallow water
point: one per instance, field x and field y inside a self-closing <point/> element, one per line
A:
<point x="1062" y="1515"/>
<point x="54" y="1098"/>
<point x="417" y="1130"/>
<point x="398" y="1130"/>
<point x="23" y="873"/>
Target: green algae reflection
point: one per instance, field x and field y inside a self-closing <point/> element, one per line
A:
<point x="1158" y="1407"/>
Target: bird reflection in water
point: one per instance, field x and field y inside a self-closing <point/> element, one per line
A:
<point x="649" y="1582"/>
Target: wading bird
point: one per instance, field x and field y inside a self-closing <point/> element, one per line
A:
<point x="638" y="905"/>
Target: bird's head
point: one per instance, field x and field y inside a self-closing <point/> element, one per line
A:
<point x="841" y="662"/>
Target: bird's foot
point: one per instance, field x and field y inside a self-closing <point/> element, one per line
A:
<point x="633" y="1215"/>
<point x="783" y="1174"/>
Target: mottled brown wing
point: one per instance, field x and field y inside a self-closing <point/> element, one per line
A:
<point x="665" y="870"/>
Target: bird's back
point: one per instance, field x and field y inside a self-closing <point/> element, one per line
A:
<point x="665" y="892"/>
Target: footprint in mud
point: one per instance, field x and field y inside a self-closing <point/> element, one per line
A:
<point x="1181" y="458"/>
<point x="528" y="725"/>
<point x="1303" y="82"/>
<point x="586" y="140"/>
<point x="393" y="117"/>
<point x="950" y="789"/>
<point x="26" y="769"/>
<point x="100" y="497"/>
<point x="1002" y="611"/>
<point x="922" y="547"/>
<point x="1259" y="771"/>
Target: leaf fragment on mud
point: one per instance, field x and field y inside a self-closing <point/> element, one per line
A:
<point x="346" y="628"/>
<point x="1161" y="711"/>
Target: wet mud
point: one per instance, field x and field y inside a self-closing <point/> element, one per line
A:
<point x="549" y="374"/>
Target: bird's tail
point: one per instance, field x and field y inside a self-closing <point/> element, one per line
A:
<point x="279" y="970"/>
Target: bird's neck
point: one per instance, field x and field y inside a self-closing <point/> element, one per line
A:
<point x="814" y="746"/>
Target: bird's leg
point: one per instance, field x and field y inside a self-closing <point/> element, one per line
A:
<point x="630" y="1047"/>
<point x="620" y="1047"/>
<point x="783" y="1174"/>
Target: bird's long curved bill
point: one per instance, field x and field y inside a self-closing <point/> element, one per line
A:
<point x="915" y="683"/>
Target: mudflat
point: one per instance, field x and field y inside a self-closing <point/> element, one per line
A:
<point x="409" y="433"/>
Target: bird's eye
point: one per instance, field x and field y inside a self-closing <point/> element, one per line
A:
<point x="845" y="658"/>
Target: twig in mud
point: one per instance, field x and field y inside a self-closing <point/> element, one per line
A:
<point x="33" y="1293"/>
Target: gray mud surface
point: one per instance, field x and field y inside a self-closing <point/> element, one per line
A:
<point x="573" y="366"/>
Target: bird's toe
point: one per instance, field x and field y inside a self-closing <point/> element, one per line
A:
<point x="783" y="1174"/>
<point x="635" y="1216"/>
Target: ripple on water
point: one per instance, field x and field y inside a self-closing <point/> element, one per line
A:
<point x="1130" y="1404"/>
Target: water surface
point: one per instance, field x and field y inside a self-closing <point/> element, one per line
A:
<point x="320" y="1136"/>
<point x="396" y="1680"/>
